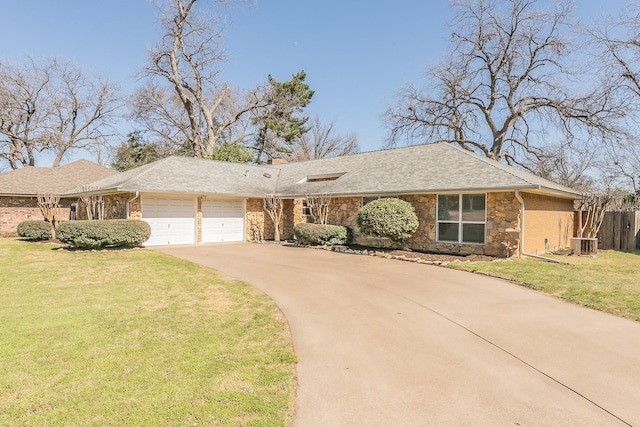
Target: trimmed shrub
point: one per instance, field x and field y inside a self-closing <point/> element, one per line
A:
<point x="35" y="230"/>
<point x="320" y="234"/>
<point x="117" y="233"/>
<point x="388" y="217"/>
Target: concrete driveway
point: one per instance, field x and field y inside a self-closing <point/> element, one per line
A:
<point x="391" y="343"/>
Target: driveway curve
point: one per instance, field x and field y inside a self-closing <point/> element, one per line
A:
<point x="390" y="343"/>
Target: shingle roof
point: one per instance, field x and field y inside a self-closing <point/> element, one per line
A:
<point x="428" y="168"/>
<point x="193" y="176"/>
<point x="29" y="181"/>
<point x="417" y="169"/>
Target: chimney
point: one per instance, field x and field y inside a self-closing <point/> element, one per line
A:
<point x="276" y="162"/>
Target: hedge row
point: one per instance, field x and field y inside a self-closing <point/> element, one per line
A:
<point x="117" y="233"/>
<point x="35" y="230"/>
<point x="318" y="234"/>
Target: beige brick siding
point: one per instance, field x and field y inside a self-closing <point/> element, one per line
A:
<point x="14" y="210"/>
<point x="547" y="218"/>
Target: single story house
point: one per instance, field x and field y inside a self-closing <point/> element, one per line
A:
<point x="465" y="203"/>
<point x="19" y="189"/>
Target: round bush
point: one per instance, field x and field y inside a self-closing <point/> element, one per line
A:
<point x="389" y="217"/>
<point x="319" y="234"/>
<point x="118" y="233"/>
<point x="35" y="230"/>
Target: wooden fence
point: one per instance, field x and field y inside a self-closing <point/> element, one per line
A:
<point x="620" y="231"/>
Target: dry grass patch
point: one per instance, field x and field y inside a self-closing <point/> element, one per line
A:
<point x="136" y="337"/>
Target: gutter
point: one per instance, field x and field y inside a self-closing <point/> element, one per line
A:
<point x="129" y="202"/>
<point x="522" y="252"/>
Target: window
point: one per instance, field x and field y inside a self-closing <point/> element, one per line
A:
<point x="306" y="210"/>
<point x="461" y="218"/>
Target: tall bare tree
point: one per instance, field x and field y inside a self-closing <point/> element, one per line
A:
<point x="503" y="89"/>
<point x="322" y="141"/>
<point x="23" y="110"/>
<point x="83" y="109"/>
<point x="52" y="105"/>
<point x="183" y="99"/>
<point x="618" y="39"/>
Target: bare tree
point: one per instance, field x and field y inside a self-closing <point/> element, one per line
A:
<point x="506" y="75"/>
<point x="618" y="39"/>
<point x="564" y="165"/>
<point x="194" y="107"/>
<point x="274" y="207"/>
<point x="591" y="210"/>
<point x="322" y="141"/>
<point x="52" y="105"/>
<point x="23" y="110"/>
<point x="318" y="207"/>
<point x="82" y="110"/>
<point x="49" y="205"/>
<point x="93" y="203"/>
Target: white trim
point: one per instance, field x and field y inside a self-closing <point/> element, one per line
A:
<point x="460" y="221"/>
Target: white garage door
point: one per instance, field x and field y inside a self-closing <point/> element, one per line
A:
<point x="172" y="220"/>
<point x="222" y="220"/>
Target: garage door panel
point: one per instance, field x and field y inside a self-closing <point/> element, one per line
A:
<point x="222" y="220"/>
<point x="172" y="220"/>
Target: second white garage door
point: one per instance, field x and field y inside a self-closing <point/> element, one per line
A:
<point x="222" y="220"/>
<point x="172" y="220"/>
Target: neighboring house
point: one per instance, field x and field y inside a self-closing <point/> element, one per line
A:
<point x="19" y="189"/>
<point x="465" y="203"/>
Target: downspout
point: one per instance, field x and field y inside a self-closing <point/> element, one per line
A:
<point x="128" y="204"/>
<point x="522" y="252"/>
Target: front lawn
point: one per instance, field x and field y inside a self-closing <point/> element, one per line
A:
<point x="136" y="337"/>
<point x="609" y="282"/>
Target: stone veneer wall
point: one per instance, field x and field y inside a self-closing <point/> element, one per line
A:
<point x="115" y="206"/>
<point x="502" y="228"/>
<point x="14" y="210"/>
<point x="259" y="221"/>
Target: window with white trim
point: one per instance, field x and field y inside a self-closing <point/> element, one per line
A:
<point x="462" y="218"/>
<point x="306" y="210"/>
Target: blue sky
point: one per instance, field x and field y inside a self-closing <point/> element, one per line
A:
<point x="357" y="55"/>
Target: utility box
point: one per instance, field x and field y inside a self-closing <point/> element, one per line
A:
<point x="584" y="246"/>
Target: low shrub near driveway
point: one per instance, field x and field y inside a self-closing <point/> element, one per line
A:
<point x="35" y="230"/>
<point x="118" y="233"/>
<point x="320" y="234"/>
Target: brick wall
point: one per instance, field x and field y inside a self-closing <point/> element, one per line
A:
<point x="14" y="210"/>
<point x="547" y="218"/>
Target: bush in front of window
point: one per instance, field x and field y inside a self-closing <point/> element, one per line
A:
<point x="390" y="217"/>
<point x="320" y="234"/>
<point x="117" y="233"/>
<point x="35" y="230"/>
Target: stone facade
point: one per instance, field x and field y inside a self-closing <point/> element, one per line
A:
<point x="502" y="226"/>
<point x="259" y="225"/>
<point x="14" y="210"/>
<point x="115" y="206"/>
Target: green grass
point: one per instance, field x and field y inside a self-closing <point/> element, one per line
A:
<point x="136" y="337"/>
<point x="609" y="282"/>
